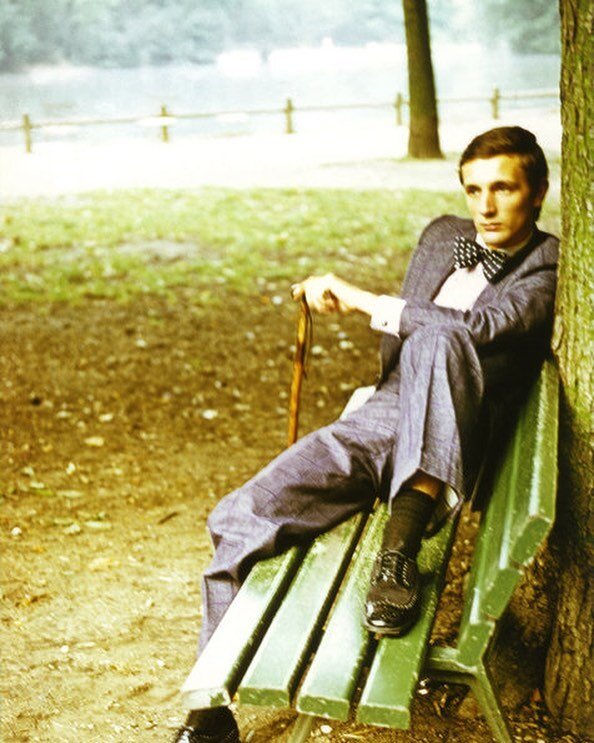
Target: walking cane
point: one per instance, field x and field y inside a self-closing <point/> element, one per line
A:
<point x="303" y="339"/>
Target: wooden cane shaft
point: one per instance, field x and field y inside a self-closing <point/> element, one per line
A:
<point x="298" y="370"/>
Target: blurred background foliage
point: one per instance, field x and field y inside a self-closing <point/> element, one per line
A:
<point x="130" y="33"/>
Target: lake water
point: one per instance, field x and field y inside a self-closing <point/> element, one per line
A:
<point x="244" y="80"/>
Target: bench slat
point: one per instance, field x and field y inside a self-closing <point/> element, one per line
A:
<point x="521" y="508"/>
<point x="214" y="677"/>
<point x="331" y="680"/>
<point x="543" y="416"/>
<point x="396" y="666"/>
<point x="519" y="514"/>
<point x="269" y="682"/>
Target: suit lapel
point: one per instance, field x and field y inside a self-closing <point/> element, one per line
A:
<point x="443" y="265"/>
<point x="492" y="291"/>
<point x="431" y="267"/>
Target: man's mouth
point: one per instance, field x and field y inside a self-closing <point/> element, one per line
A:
<point x="492" y="227"/>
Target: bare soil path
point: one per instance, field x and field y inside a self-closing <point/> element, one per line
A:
<point x="120" y="428"/>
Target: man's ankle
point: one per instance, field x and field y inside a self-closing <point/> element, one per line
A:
<point x="410" y="513"/>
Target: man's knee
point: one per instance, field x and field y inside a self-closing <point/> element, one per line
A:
<point x="221" y="518"/>
<point x="447" y="334"/>
<point x="253" y="508"/>
<point x="434" y="341"/>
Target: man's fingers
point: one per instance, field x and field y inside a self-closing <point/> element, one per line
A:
<point x="324" y="303"/>
<point x="319" y="297"/>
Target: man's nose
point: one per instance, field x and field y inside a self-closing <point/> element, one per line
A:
<point x="487" y="203"/>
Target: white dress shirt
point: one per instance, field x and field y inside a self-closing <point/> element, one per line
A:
<point x="458" y="292"/>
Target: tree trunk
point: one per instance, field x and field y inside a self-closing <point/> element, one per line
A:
<point x="569" y="683"/>
<point x="423" y="139"/>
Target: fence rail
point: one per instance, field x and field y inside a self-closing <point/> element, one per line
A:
<point x="165" y="119"/>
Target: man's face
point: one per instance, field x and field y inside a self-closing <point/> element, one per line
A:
<point x="500" y="199"/>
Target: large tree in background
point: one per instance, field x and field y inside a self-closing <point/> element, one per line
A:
<point x="570" y="664"/>
<point x="423" y="141"/>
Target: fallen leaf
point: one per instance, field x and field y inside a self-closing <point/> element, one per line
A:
<point x="96" y="441"/>
<point x="98" y="525"/>
<point x="101" y="563"/>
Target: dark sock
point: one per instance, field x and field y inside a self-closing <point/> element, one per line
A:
<point x="411" y="511"/>
<point x="210" y="720"/>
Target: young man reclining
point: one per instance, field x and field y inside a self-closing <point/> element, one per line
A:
<point x="459" y="347"/>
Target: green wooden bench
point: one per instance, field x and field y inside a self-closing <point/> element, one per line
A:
<point x="293" y="635"/>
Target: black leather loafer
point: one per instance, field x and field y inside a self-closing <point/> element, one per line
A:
<point x="220" y="728"/>
<point x="394" y="597"/>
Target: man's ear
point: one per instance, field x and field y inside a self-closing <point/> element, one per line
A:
<point x="540" y="193"/>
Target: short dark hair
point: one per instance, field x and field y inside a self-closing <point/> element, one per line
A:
<point x="510" y="140"/>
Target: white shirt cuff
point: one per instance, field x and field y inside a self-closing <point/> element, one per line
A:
<point x="386" y="314"/>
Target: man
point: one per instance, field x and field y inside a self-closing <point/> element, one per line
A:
<point x="459" y="348"/>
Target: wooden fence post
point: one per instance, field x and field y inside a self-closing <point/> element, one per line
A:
<point x="27" y="130"/>
<point x="495" y="103"/>
<point x="164" y="128"/>
<point x="398" y="106"/>
<point x="289" y="108"/>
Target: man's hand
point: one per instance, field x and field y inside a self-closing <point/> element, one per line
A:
<point x="320" y="294"/>
<point x="328" y="293"/>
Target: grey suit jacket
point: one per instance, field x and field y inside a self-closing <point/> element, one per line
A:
<point x="511" y="321"/>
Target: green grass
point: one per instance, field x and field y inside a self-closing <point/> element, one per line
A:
<point x="120" y="244"/>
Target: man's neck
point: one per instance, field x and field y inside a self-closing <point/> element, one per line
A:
<point x="510" y="250"/>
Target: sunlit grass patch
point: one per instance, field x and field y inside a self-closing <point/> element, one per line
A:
<point x="120" y="244"/>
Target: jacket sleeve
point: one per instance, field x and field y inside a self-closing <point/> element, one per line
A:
<point x="523" y="310"/>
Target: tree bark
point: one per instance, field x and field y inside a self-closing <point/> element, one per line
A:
<point x="423" y="139"/>
<point x="569" y="681"/>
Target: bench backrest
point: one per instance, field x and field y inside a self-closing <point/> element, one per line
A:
<point x="519" y="515"/>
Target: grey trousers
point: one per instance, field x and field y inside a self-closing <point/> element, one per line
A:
<point x="424" y="417"/>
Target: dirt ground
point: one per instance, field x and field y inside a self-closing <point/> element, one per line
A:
<point x="121" y="426"/>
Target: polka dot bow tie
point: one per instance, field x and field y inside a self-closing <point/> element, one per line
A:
<point x="467" y="253"/>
